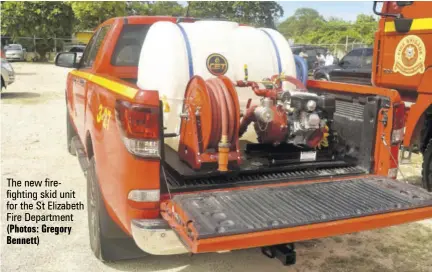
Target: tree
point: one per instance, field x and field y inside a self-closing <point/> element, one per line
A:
<point x="42" y="19"/>
<point x="365" y="26"/>
<point x="166" y="8"/>
<point x="90" y="14"/>
<point x="308" y="26"/>
<point x="303" y="22"/>
<point x="247" y="12"/>
<point x="169" y="8"/>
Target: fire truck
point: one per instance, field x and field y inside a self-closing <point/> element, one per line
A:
<point x="198" y="136"/>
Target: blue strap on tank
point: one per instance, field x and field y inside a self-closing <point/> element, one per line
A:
<point x="302" y="69"/>
<point x="188" y="49"/>
<point x="276" y="50"/>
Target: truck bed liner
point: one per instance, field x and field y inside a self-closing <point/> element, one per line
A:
<point x="250" y="165"/>
<point x="216" y="214"/>
<point x="319" y="171"/>
<point x="179" y="177"/>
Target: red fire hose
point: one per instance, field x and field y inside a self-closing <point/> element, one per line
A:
<point x="224" y="125"/>
<point x="223" y="108"/>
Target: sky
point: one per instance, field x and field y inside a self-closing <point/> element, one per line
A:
<point x="347" y="10"/>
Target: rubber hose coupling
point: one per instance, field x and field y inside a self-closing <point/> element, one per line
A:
<point x="223" y="155"/>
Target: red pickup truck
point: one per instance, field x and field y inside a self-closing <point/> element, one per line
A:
<point x="326" y="178"/>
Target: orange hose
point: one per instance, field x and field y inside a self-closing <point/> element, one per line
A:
<point x="223" y="110"/>
<point x="224" y="120"/>
<point x="231" y="111"/>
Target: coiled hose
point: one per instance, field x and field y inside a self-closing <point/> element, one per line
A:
<point x="301" y="68"/>
<point x="223" y="109"/>
<point x="224" y="125"/>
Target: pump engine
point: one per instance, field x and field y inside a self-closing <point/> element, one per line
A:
<point x="308" y="117"/>
<point x="290" y="115"/>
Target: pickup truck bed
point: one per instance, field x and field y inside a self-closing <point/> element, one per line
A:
<point x="245" y="211"/>
<point x="225" y="220"/>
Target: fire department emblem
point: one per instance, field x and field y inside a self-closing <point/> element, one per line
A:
<point x="217" y="64"/>
<point x="410" y="56"/>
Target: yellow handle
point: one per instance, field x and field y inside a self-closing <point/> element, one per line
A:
<point x="166" y="107"/>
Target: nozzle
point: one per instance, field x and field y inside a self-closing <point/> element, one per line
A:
<point x="223" y="155"/>
<point x="223" y="158"/>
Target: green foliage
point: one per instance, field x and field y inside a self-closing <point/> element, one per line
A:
<point x="365" y="26"/>
<point x="247" y="12"/>
<point x="308" y="26"/>
<point x="49" y="19"/>
<point x="170" y="8"/>
<point x="303" y="21"/>
<point x="90" y="14"/>
<point x="38" y="18"/>
<point x="42" y="19"/>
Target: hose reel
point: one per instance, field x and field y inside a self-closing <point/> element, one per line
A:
<point x="209" y="130"/>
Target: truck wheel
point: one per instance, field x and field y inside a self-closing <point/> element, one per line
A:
<point x="101" y="246"/>
<point x="70" y="133"/>
<point x="427" y="167"/>
<point x="107" y="240"/>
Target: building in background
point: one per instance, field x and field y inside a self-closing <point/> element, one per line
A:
<point x="82" y="37"/>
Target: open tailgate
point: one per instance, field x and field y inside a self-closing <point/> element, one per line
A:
<point x="254" y="217"/>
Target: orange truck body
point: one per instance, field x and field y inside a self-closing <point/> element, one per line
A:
<point x="394" y="70"/>
<point x="92" y="92"/>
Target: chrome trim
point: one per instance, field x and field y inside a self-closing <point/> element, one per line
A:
<point x="156" y="237"/>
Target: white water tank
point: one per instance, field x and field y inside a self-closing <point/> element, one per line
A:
<point x="172" y="53"/>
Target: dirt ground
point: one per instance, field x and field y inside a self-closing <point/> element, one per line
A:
<point x="33" y="147"/>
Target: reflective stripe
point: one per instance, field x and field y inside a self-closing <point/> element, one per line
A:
<point x="276" y="50"/>
<point x="417" y="24"/>
<point x="188" y="49"/>
<point x="107" y="83"/>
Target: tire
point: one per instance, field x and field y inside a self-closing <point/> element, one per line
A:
<point x="427" y="167"/>
<point x="323" y="79"/>
<point x="70" y="133"/>
<point x="107" y="241"/>
<point x="99" y="244"/>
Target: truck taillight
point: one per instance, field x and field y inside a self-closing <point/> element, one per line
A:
<point x="139" y="126"/>
<point x="398" y="123"/>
